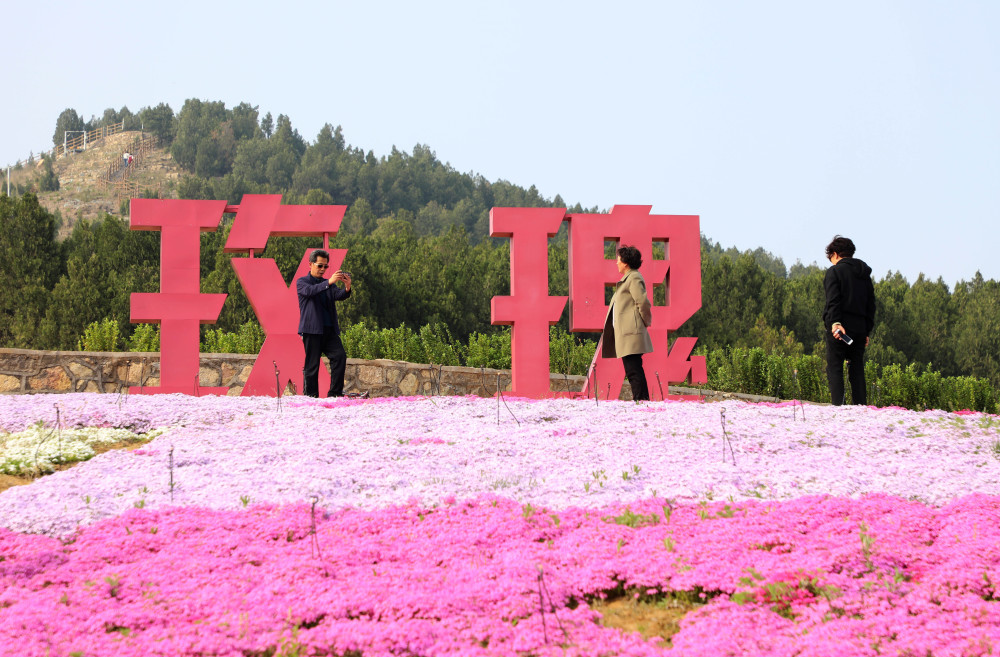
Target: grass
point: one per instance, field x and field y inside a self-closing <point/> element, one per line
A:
<point x="650" y="618"/>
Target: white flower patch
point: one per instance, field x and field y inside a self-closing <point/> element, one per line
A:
<point x="39" y="448"/>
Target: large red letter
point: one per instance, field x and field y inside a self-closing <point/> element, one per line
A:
<point x="679" y="272"/>
<point x="277" y="305"/>
<point x="529" y="309"/>
<point x="178" y="307"/>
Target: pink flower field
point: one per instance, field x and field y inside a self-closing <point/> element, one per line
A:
<point x="425" y="526"/>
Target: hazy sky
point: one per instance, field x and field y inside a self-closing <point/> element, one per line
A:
<point x="779" y="123"/>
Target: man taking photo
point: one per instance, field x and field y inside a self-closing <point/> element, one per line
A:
<point x="318" y="324"/>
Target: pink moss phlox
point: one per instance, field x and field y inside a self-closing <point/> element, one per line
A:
<point x="820" y="574"/>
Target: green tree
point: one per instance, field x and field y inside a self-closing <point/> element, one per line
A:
<point x="195" y="124"/>
<point x="892" y="337"/>
<point x="802" y="306"/>
<point x="927" y="306"/>
<point x="159" y="121"/>
<point x="68" y="120"/>
<point x="30" y="263"/>
<point x="244" y="121"/>
<point x="215" y="152"/>
<point x="49" y="181"/>
<point x="105" y="263"/>
<point x="112" y="116"/>
<point x="977" y="328"/>
<point x="735" y="292"/>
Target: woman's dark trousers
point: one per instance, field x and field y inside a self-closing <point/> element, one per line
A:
<point x="636" y="376"/>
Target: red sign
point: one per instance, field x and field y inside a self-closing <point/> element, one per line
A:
<point x="180" y="307"/>
<point x="589" y="275"/>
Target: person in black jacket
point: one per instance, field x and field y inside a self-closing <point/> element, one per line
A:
<point x="318" y="324"/>
<point x="849" y="317"/>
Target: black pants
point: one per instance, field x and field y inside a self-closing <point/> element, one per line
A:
<point x="636" y="376"/>
<point x="836" y="353"/>
<point x="317" y="344"/>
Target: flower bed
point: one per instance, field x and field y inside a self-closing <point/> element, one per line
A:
<point x="423" y="527"/>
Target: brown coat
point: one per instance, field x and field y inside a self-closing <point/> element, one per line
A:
<point x="625" y="324"/>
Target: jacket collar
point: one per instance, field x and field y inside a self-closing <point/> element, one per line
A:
<point x="625" y="275"/>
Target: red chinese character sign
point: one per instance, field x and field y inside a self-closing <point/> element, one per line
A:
<point x="179" y="307"/>
<point x="589" y="275"/>
<point x="276" y="304"/>
<point x="529" y="309"/>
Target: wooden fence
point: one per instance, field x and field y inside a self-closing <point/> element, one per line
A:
<point x="81" y="142"/>
<point x="78" y="143"/>
<point x="116" y="176"/>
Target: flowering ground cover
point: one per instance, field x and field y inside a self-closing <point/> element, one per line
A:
<point x="424" y="527"/>
<point x="40" y="449"/>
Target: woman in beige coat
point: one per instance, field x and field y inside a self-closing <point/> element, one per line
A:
<point x="625" y="335"/>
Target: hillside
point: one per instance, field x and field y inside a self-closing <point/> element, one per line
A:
<point x="81" y="194"/>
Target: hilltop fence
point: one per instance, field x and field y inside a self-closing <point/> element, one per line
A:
<point x="78" y="143"/>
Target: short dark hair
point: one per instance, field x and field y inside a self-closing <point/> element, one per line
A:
<point x="841" y="246"/>
<point x="319" y="253"/>
<point x="630" y="256"/>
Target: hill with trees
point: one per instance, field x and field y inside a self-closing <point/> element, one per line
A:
<point x="416" y="230"/>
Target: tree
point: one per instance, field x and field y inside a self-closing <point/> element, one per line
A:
<point x="30" y="263"/>
<point x="244" y="121"/>
<point x="928" y="306"/>
<point x="735" y="292"/>
<point x="105" y="263"/>
<point x="111" y="116"/>
<point x="195" y="123"/>
<point x="215" y="152"/>
<point x="159" y="121"/>
<point x="892" y="338"/>
<point x="68" y="120"/>
<point x="286" y="134"/>
<point x="802" y="306"/>
<point x="49" y="181"/>
<point x="977" y="328"/>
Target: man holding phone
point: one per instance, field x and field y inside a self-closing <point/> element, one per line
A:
<point x="849" y="317"/>
<point x="318" y="324"/>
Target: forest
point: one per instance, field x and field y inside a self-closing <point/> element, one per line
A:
<point x="416" y="233"/>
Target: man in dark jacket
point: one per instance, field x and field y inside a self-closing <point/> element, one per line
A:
<point x="318" y="324"/>
<point x="849" y="317"/>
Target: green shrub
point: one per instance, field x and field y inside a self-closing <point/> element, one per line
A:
<point x="248" y="339"/>
<point x="440" y="347"/>
<point x="752" y="371"/>
<point x="145" y="337"/>
<point x="568" y="354"/>
<point x="490" y="350"/>
<point x="100" y="336"/>
<point x="401" y="343"/>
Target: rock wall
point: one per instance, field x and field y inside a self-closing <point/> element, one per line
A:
<point x="26" y="371"/>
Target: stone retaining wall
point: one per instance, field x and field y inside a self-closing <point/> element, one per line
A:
<point x="24" y="371"/>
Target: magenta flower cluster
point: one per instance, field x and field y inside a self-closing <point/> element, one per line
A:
<point x="818" y="575"/>
<point x="430" y="527"/>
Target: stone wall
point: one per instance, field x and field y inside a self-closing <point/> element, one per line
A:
<point x="24" y="371"/>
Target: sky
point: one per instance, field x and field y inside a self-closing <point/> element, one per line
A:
<point x="779" y="123"/>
